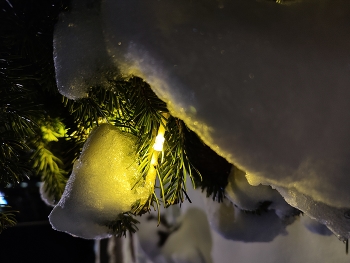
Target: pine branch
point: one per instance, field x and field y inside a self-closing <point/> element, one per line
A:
<point x="48" y="166"/>
<point x="19" y="115"/>
<point x="26" y="69"/>
<point x="148" y="108"/>
<point x="17" y="125"/>
<point x="88" y="112"/>
<point x="213" y="168"/>
<point x="14" y="164"/>
<point x="123" y="223"/>
<point x="148" y="115"/>
<point x="176" y="165"/>
<point x="7" y="218"/>
<point x="133" y="107"/>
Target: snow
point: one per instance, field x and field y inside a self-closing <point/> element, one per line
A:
<point x="89" y="63"/>
<point x="251" y="198"/>
<point x="194" y="248"/>
<point x="315" y="227"/>
<point x="179" y="246"/>
<point x="250" y="213"/>
<point x="45" y="195"/>
<point x="235" y="224"/>
<point x="149" y="235"/>
<point x="100" y="186"/>
<point x="264" y="85"/>
<point x="295" y="245"/>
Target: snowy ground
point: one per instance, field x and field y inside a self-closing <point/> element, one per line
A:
<point x="298" y="245"/>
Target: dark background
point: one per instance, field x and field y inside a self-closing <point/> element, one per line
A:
<point x="26" y="33"/>
<point x="33" y="239"/>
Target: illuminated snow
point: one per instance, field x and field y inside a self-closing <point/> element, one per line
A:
<point x="100" y="186"/>
<point x="265" y="85"/>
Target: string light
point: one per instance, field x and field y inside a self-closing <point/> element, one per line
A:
<point x="157" y="147"/>
<point x="159" y="142"/>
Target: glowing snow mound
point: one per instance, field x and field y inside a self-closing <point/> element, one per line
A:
<point x="100" y="186"/>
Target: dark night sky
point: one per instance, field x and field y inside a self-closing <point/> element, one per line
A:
<point x="27" y="26"/>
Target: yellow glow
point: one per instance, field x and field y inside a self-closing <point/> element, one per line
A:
<point x="154" y="160"/>
<point x="158" y="145"/>
<point x="159" y="141"/>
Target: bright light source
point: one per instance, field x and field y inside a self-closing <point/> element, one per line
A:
<point x="158" y="145"/>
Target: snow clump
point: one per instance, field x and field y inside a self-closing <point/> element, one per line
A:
<point x="101" y="185"/>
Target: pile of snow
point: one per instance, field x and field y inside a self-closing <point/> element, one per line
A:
<point x="299" y="245"/>
<point x="251" y="198"/>
<point x="264" y="85"/>
<point x="79" y="35"/>
<point x="100" y="186"/>
<point x="235" y="224"/>
<point x="187" y="241"/>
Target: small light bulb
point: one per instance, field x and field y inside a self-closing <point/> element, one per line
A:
<point x="158" y="145"/>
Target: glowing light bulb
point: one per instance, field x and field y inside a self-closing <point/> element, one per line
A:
<point x="158" y="145"/>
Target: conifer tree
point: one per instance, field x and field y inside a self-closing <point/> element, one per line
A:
<point x="42" y="132"/>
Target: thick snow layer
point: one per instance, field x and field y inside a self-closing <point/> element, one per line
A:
<point x="100" y="186"/>
<point x="315" y="227"/>
<point x="234" y="224"/>
<point x="251" y="198"/>
<point x="265" y="85"/>
<point x="336" y="219"/>
<point x="78" y="35"/>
